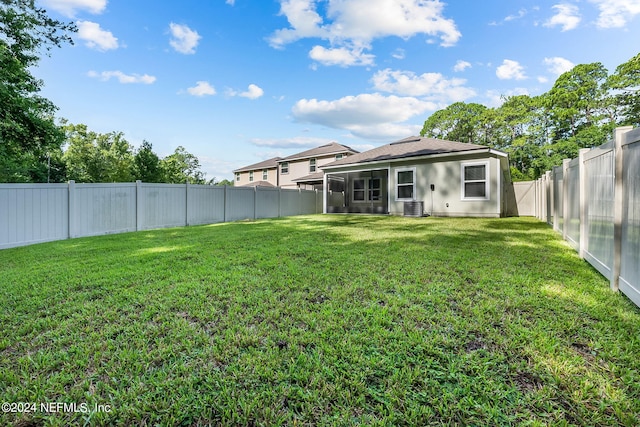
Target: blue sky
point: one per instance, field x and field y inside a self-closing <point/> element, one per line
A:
<point x="239" y="81"/>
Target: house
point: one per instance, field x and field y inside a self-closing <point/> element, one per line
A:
<point x="263" y="174"/>
<point x="417" y="176"/>
<point x="300" y="170"/>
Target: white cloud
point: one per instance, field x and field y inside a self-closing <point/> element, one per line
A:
<point x="95" y="37"/>
<point x="558" y="65"/>
<point x="434" y="86"/>
<point x="122" y="77"/>
<point x="71" y="7"/>
<point x="521" y="14"/>
<point x="542" y="79"/>
<point x="567" y="16"/>
<point x="461" y="66"/>
<point x="202" y="88"/>
<point x="184" y="39"/>
<point x="340" y="56"/>
<point x="295" y="142"/>
<point x="231" y="2"/>
<point x="372" y="116"/>
<point x="252" y="92"/>
<point x="398" y="53"/>
<point x="355" y="24"/>
<point x="616" y="13"/>
<point x="510" y="70"/>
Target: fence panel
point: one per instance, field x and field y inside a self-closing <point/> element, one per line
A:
<point x="571" y="221"/>
<point x="33" y="213"/>
<point x="308" y="202"/>
<point x="103" y="209"/>
<point x="205" y="204"/>
<point x="163" y="205"/>
<point x="558" y="199"/>
<point x="267" y="202"/>
<point x="630" y="259"/>
<point x="240" y="203"/>
<point x="599" y="187"/>
<point x="289" y="202"/>
<point x="525" y="196"/>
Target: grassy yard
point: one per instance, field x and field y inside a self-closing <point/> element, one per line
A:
<point x="317" y="320"/>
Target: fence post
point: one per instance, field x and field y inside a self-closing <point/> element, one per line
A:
<point x="618" y="207"/>
<point x="186" y="203"/>
<point x="279" y="202"/>
<point x="139" y="206"/>
<point x="565" y="197"/>
<point x="72" y="209"/>
<point x="255" y="202"/>
<point x="224" y="205"/>
<point x="584" y="206"/>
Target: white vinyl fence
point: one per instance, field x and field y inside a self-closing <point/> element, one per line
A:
<point x="33" y="213"/>
<point x="594" y="201"/>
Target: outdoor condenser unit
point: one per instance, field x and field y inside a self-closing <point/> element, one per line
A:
<point x="414" y="208"/>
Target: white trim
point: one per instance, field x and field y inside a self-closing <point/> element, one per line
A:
<point x="395" y="189"/>
<point x="487" y="180"/>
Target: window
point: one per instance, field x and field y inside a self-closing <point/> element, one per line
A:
<point x="358" y="190"/>
<point x="312" y="165"/>
<point x="339" y="156"/>
<point x="475" y="183"/>
<point x="250" y="176"/>
<point x="366" y="190"/>
<point x="284" y="167"/>
<point x="374" y="189"/>
<point x="237" y="176"/>
<point x="405" y="184"/>
<point x="265" y="175"/>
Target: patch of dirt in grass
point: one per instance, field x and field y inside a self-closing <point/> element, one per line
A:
<point x="527" y="382"/>
<point x="474" y="345"/>
<point x="585" y="351"/>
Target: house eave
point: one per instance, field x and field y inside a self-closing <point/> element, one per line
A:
<point x="318" y="156"/>
<point x="416" y="158"/>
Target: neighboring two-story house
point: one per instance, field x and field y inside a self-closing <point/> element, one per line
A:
<point x="300" y="170"/>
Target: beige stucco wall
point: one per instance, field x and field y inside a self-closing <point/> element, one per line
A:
<point x="257" y="176"/>
<point x="447" y="199"/>
<point x="300" y="168"/>
<point x="446" y="176"/>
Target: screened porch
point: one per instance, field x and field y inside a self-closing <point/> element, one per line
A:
<point x="358" y="192"/>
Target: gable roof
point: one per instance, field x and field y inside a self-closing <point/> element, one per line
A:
<point x="259" y="184"/>
<point x="265" y="164"/>
<point x="412" y="146"/>
<point x="323" y="150"/>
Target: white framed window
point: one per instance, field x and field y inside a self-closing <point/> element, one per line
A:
<point x="265" y="174"/>
<point x="250" y="176"/>
<point x="406" y="184"/>
<point x="284" y="167"/>
<point x="339" y="156"/>
<point x="312" y="165"/>
<point x="359" y="191"/>
<point x="475" y="180"/>
<point x="237" y="176"/>
<point x="367" y="189"/>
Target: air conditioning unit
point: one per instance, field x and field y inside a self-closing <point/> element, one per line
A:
<point x="414" y="208"/>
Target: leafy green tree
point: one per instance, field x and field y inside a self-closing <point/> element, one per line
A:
<point x="625" y="81"/>
<point x="147" y="164"/>
<point x="181" y="167"/>
<point x="225" y="182"/>
<point x="458" y="122"/>
<point x="94" y="157"/>
<point x="29" y="136"/>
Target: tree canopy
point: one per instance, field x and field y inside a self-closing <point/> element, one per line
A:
<point x="29" y="137"/>
<point x="581" y="110"/>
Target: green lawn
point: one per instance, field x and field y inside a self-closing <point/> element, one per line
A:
<point x="318" y="320"/>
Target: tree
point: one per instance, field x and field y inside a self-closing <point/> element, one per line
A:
<point x="458" y="122"/>
<point x="181" y="167"/>
<point x="147" y="164"/>
<point x="29" y="137"/>
<point x="94" y="157"/>
<point x="625" y="81"/>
